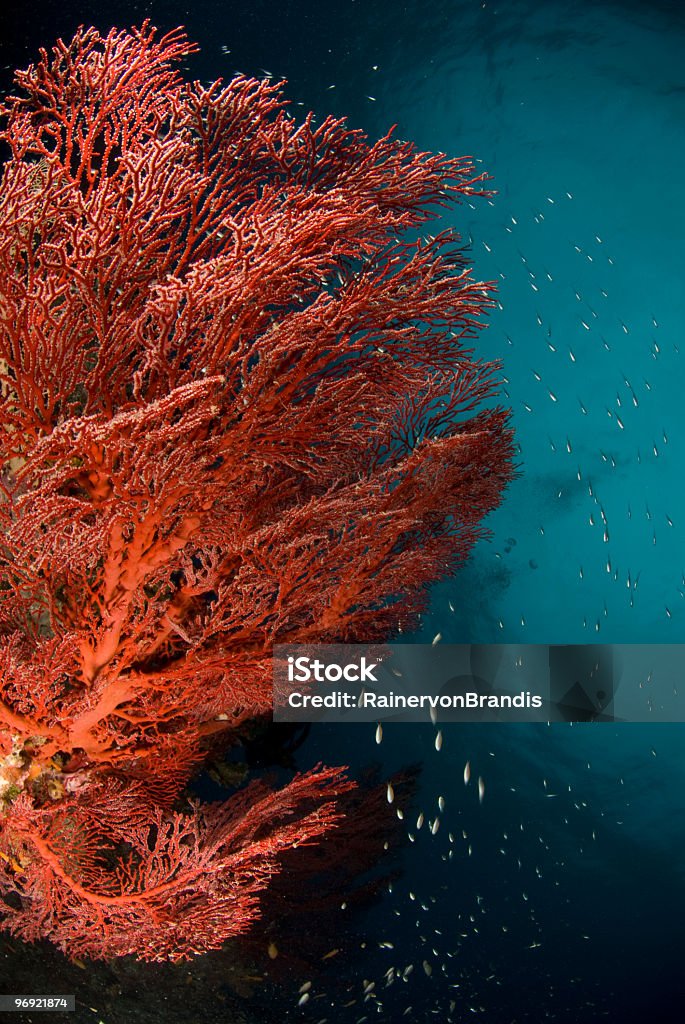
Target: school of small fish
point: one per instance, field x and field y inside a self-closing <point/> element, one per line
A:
<point x="589" y="371"/>
<point x="585" y="387"/>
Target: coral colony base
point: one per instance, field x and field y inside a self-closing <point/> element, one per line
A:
<point x="237" y="407"/>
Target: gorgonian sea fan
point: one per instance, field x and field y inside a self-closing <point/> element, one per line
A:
<point x="237" y="407"/>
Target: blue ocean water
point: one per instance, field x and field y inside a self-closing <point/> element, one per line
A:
<point x="560" y="896"/>
<point x="576" y="110"/>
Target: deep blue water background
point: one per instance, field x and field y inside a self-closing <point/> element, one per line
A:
<point x="570" y="905"/>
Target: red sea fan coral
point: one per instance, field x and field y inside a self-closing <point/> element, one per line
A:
<point x="111" y="875"/>
<point x="237" y="407"/>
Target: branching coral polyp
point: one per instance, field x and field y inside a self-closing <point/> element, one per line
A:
<point x="238" y="405"/>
